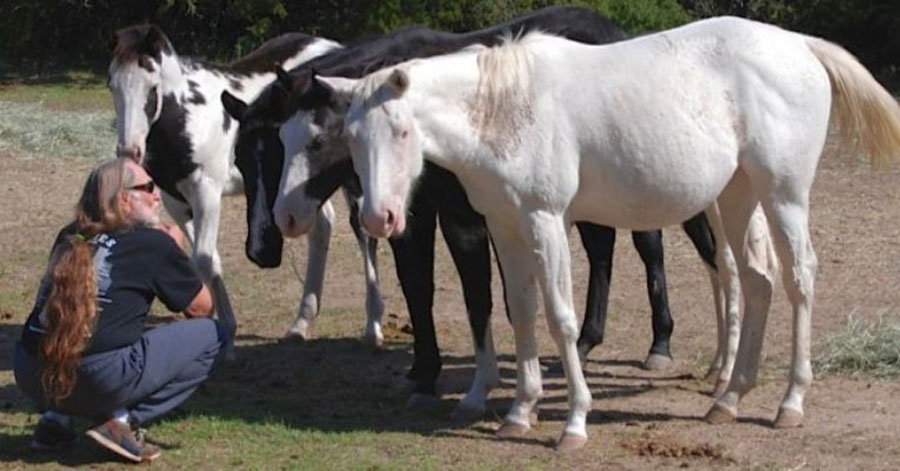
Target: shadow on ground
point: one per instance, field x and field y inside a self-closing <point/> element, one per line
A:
<point x="336" y="385"/>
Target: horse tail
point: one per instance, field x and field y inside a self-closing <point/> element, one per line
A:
<point x="867" y="116"/>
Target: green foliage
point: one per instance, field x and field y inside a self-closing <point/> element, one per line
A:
<point x="870" y="349"/>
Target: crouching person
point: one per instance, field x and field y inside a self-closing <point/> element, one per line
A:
<point x="84" y="351"/>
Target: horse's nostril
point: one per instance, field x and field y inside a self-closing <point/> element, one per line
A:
<point x="291" y="222"/>
<point x="391" y="218"/>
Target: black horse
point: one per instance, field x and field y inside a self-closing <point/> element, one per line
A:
<point x="438" y="193"/>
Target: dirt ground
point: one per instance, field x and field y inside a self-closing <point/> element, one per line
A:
<point x="640" y="419"/>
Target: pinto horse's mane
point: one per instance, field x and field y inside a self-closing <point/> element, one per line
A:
<point x="271" y="53"/>
<point x="363" y="57"/>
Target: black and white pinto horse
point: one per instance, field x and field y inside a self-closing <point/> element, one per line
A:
<point x="170" y="118"/>
<point x="294" y="126"/>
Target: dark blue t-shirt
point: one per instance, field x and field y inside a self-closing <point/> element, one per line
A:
<point x="132" y="267"/>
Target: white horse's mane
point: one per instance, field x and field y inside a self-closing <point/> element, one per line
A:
<point x="502" y="105"/>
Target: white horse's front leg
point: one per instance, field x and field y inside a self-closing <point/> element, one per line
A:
<point x="521" y="298"/>
<point x="374" y="304"/>
<point x="318" y="238"/>
<point x="551" y="248"/>
<point x="206" y="204"/>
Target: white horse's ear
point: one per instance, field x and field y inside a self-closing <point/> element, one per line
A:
<point x="399" y="82"/>
<point x="340" y="86"/>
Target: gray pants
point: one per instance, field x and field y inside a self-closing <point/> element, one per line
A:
<point x="148" y="379"/>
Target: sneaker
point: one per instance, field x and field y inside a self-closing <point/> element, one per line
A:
<point x="121" y="439"/>
<point x="51" y="435"/>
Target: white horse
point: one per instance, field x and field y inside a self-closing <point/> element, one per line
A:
<point x="168" y="109"/>
<point x="721" y="115"/>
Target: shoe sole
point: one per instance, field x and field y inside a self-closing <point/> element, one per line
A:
<point x="113" y="446"/>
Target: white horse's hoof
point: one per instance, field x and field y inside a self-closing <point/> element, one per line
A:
<point x="788" y="418"/>
<point x="298" y="331"/>
<point x="570" y="442"/>
<point x="718" y="415"/>
<point x="419" y="401"/>
<point x="512" y="430"/>
<point x="657" y="362"/>
<point x="374" y="340"/>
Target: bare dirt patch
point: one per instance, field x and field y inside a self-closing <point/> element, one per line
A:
<point x="640" y="419"/>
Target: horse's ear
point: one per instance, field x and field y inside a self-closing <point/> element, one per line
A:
<point x="233" y="105"/>
<point x="340" y="87"/>
<point x="284" y="78"/>
<point x="399" y="82"/>
<point x="156" y="41"/>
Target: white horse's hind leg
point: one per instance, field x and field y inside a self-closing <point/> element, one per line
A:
<point x="521" y="298"/>
<point x="551" y="248"/>
<point x="715" y="367"/>
<point x="319" y="238"/>
<point x="746" y="229"/>
<point x="790" y="231"/>
<point x="728" y="320"/>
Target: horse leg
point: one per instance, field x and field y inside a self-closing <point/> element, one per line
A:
<point x="469" y="246"/>
<point x="318" y="238"/>
<point x="746" y="231"/>
<point x="788" y="217"/>
<point x="698" y="231"/>
<point x="649" y="246"/>
<point x="369" y="247"/>
<point x="598" y="242"/>
<point x="548" y="240"/>
<point x="521" y="301"/>
<point x="206" y="204"/>
<point x="414" y="260"/>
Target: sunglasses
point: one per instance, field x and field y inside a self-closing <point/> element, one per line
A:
<point x="147" y="187"/>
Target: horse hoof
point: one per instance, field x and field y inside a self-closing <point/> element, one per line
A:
<point x="570" y="442"/>
<point x="374" y="341"/>
<point x="718" y="415"/>
<point x="788" y="418"/>
<point x="297" y="332"/>
<point x="419" y="401"/>
<point x="721" y="387"/>
<point x="467" y="413"/>
<point x="657" y="362"/>
<point x="512" y="430"/>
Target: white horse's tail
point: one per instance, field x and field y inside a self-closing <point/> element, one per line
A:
<point x="867" y="116"/>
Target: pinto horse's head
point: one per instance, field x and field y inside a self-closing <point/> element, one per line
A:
<point x="385" y="144"/>
<point x="136" y="74"/>
<point x="283" y="143"/>
<point x="258" y="155"/>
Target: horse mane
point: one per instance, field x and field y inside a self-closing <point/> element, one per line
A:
<point x="271" y="53"/>
<point x="134" y="41"/>
<point x="503" y="102"/>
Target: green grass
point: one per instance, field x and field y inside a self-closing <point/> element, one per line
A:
<point x="863" y="348"/>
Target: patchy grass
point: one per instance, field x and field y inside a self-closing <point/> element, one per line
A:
<point x="33" y="129"/>
<point x="863" y="348"/>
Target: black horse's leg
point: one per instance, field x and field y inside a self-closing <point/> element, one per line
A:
<point x="598" y="241"/>
<point x="697" y="229"/>
<point x="414" y="259"/>
<point x="649" y="246"/>
<point x="467" y="238"/>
